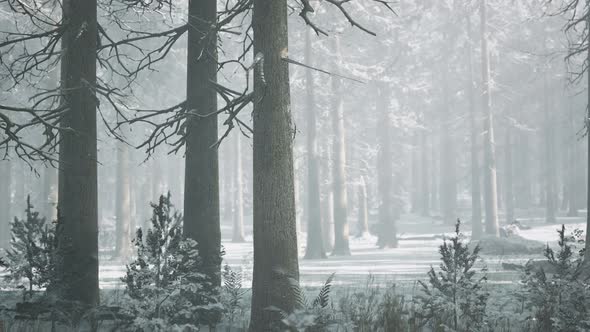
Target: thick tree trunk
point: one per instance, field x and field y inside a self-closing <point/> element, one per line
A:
<point x="508" y="177"/>
<point x="201" y="200"/>
<point x="490" y="182"/>
<point x="476" y="226"/>
<point x="238" y="229"/>
<point x="78" y="221"/>
<point x="587" y="243"/>
<point x="315" y="245"/>
<point x="5" y="193"/>
<point x="387" y="236"/>
<point x="341" y="228"/>
<point x="123" y="203"/>
<point x="276" y="267"/>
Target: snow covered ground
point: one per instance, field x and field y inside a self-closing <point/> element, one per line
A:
<point x="403" y="265"/>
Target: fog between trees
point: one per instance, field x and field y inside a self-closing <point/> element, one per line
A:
<point x="296" y="127"/>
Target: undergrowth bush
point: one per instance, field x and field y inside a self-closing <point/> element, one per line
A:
<point x="360" y="306"/>
<point x="232" y="299"/>
<point x="164" y="284"/>
<point x="314" y="316"/>
<point x="375" y="308"/>
<point x="559" y="300"/>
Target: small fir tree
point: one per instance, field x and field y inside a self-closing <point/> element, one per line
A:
<point x="164" y="283"/>
<point x="455" y="297"/>
<point x="558" y="293"/>
<point x="32" y="251"/>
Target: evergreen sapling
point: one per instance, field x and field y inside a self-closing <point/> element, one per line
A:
<point x="558" y="292"/>
<point x="164" y="283"/>
<point x="31" y="256"/>
<point x="455" y="297"/>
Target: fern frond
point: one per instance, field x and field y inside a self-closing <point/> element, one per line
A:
<point x="298" y="293"/>
<point x="323" y="298"/>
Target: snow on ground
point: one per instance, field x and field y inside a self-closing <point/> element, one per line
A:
<point x="417" y="251"/>
<point x="403" y="265"/>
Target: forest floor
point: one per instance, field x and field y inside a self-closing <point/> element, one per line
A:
<point x="417" y="252"/>
<point x="369" y="266"/>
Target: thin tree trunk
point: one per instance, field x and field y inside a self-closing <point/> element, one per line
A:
<point x="477" y="229"/>
<point x="156" y="179"/>
<point x="550" y="176"/>
<point x="448" y="181"/>
<point x="424" y="176"/>
<point x="78" y="221"/>
<point x="133" y="192"/>
<point x="328" y="221"/>
<point x="523" y="195"/>
<point x="500" y="192"/>
<point x="20" y="195"/>
<point x="327" y="200"/>
<point x="490" y="182"/>
<point x="201" y="200"/>
<point x="415" y="171"/>
<point x="297" y="185"/>
<point x="315" y="245"/>
<point x="50" y="193"/>
<point x="123" y="203"/>
<point x="49" y="199"/>
<point x="145" y="199"/>
<point x="238" y="229"/>
<point x="174" y="179"/>
<point x="434" y="202"/>
<point x="508" y="177"/>
<point x="573" y="165"/>
<point x="227" y="182"/>
<point x="387" y="235"/>
<point x="363" y="220"/>
<point x="5" y="193"/>
<point x="276" y="267"/>
<point x="341" y="228"/>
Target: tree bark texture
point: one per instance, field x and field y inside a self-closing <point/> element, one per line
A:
<point x="276" y="267"/>
<point x="78" y="220"/>
<point x="201" y="200"/>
